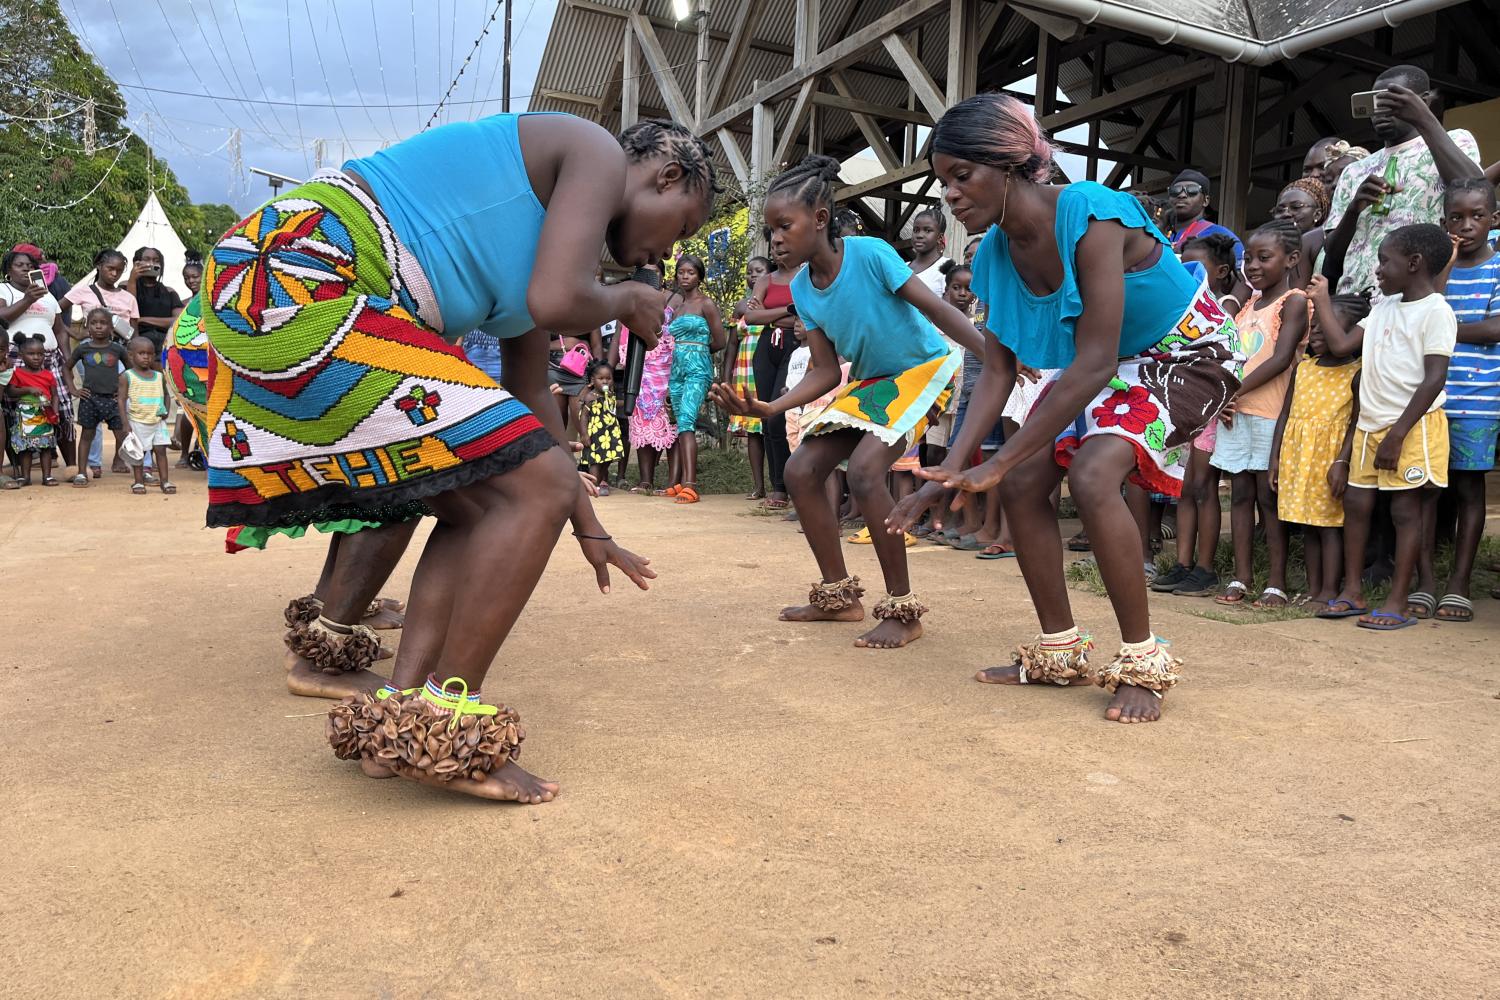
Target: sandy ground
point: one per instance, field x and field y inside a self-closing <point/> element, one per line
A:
<point x="749" y="808"/>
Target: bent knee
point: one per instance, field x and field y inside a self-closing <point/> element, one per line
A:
<point x="802" y="471"/>
<point x="865" y="478"/>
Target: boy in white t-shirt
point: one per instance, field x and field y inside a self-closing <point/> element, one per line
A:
<point x="1398" y="435"/>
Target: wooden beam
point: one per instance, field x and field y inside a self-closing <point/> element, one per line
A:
<point x="661" y="70"/>
<point x="1142" y="138"/>
<point x="891" y="178"/>
<point x="732" y="61"/>
<point x="1046" y="72"/>
<point x="805" y="34"/>
<point x="964" y="37"/>
<point x="630" y="79"/>
<point x="762" y="121"/>
<point x="882" y="111"/>
<point x="615" y="81"/>
<point x="793" y="126"/>
<point x="920" y="198"/>
<point x="736" y="158"/>
<point x="837" y="56"/>
<point x="1239" y="145"/>
<point x="757" y="44"/>
<point x="1167" y="82"/>
<point x="867" y="127"/>
<point x="1357" y="53"/>
<point x="700" y="69"/>
<point x="571" y="98"/>
<point x="1297" y="93"/>
<point x="917" y="78"/>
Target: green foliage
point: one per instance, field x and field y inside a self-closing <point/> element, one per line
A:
<point x="45" y="163"/>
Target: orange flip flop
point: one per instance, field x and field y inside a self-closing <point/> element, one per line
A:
<point x="670" y="491"/>
<point x="687" y="495"/>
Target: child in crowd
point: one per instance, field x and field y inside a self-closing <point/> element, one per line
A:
<point x="33" y="390"/>
<point x="1306" y="474"/>
<point x="101" y="357"/>
<point x="739" y="371"/>
<point x="1271" y="328"/>
<point x="1473" y="388"/>
<point x="858" y="300"/>
<point x="602" y="443"/>
<point x="1199" y="519"/>
<point x="1398" y="440"/>
<point x="142" y="395"/>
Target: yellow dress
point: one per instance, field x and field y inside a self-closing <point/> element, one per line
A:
<point x="1322" y="398"/>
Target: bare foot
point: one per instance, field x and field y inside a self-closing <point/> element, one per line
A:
<point x="307" y="682"/>
<point x="1012" y="675"/>
<point x="1133" y="704"/>
<point x="812" y="613"/>
<point x="890" y="634"/>
<point x="385" y="618"/>
<point x="512" y="783"/>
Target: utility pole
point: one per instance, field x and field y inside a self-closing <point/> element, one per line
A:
<point x="505" y="78"/>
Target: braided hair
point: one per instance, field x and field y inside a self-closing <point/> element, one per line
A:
<point x="810" y="182"/>
<point x="1351" y="307"/>
<point x="654" y="137"/>
<point x="1284" y="232"/>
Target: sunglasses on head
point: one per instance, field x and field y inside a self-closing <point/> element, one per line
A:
<point x="1177" y="190"/>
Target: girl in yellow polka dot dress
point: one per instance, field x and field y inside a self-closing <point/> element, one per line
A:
<point x="1306" y="471"/>
<point x="603" y="443"/>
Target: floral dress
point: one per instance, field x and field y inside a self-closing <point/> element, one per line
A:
<point x="651" y="425"/>
<point x="606" y="444"/>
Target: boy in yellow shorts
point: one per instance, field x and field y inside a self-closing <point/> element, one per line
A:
<point x="1398" y="435"/>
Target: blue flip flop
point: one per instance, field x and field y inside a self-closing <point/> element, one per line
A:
<point x="1397" y="621"/>
<point x="1341" y="609"/>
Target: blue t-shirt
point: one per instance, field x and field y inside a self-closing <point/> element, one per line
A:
<point x="459" y="198"/>
<point x="1040" y="328"/>
<point x="1474" y="372"/>
<point x="874" y="329"/>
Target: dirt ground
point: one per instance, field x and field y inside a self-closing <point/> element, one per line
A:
<point x="749" y="808"/>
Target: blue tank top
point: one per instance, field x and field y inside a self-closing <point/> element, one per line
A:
<point x="1040" y="328"/>
<point x="690" y="331"/>
<point x="459" y="198"/>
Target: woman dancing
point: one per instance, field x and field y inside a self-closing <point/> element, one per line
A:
<point x="697" y="331"/>
<point x="1077" y="278"/>
<point x="858" y="300"/>
<point x="337" y="392"/>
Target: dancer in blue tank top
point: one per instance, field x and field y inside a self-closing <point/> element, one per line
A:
<point x="340" y="393"/>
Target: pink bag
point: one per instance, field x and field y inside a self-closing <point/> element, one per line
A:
<point x="576" y="361"/>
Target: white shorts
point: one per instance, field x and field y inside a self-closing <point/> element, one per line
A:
<point x="156" y="435"/>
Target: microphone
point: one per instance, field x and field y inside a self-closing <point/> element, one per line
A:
<point x="635" y="348"/>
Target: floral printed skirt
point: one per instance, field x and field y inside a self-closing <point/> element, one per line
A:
<point x="1160" y="399"/>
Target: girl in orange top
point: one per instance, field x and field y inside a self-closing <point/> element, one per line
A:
<point x="1272" y="326"/>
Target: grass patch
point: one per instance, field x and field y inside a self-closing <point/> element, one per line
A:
<point x="720" y="471"/>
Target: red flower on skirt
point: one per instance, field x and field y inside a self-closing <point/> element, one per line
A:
<point x="1129" y="409"/>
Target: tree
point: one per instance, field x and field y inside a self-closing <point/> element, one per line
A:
<point x="76" y="175"/>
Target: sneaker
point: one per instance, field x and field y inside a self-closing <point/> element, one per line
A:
<point x="1200" y="582"/>
<point x="1168" y="581"/>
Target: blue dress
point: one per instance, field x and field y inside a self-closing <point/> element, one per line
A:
<point x="692" y="370"/>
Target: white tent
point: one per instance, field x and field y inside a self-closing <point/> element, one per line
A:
<point x="152" y="229"/>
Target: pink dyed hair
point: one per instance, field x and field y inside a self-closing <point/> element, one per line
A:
<point x="997" y="130"/>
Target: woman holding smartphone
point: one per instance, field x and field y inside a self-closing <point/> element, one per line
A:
<point x="159" y="304"/>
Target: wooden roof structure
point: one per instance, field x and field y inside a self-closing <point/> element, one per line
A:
<point x="1236" y="88"/>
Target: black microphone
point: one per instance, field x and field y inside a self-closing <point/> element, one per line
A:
<point x="635" y="348"/>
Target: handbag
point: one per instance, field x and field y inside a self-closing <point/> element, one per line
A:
<point x="576" y="361"/>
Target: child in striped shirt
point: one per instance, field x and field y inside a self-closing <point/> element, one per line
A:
<point x="1473" y="389"/>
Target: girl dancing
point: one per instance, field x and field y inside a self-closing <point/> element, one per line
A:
<point x="858" y="300"/>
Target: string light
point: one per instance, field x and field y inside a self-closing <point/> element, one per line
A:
<point x="473" y="49"/>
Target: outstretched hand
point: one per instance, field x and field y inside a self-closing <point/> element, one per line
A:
<point x="910" y="508"/>
<point x="981" y="477"/>
<point x="603" y="554"/>
<point x="737" y="404"/>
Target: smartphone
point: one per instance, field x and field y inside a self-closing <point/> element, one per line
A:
<point x="37" y="278"/>
<point x="1362" y="105"/>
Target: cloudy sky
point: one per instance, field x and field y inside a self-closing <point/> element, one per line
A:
<point x="363" y="55"/>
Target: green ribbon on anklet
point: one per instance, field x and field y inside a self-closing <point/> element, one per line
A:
<point x="459" y="706"/>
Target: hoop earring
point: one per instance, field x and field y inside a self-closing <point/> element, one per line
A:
<point x="1005" y="198"/>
